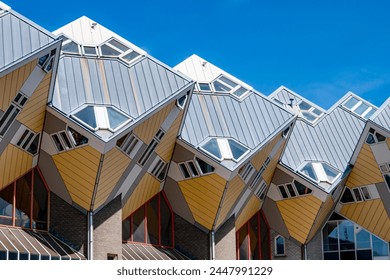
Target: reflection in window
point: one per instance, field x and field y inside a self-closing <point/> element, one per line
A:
<point x="280" y="245"/>
<point x="320" y="172"/>
<point x="224" y="148"/>
<point x="204" y="167"/>
<point x="152" y="223"/>
<point x="30" y="197"/>
<point x="253" y="239"/>
<point x="359" y="107"/>
<point x="345" y="240"/>
<point x="309" y="112"/>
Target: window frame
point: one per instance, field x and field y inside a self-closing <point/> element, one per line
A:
<point x="224" y="148"/>
<point x="276" y="246"/>
<point x="294" y="188"/>
<point x="357" y="105"/>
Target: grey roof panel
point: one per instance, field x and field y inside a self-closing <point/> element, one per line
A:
<point x="383" y="117"/>
<point x="332" y="140"/>
<point x="110" y="82"/>
<point x="19" y="38"/>
<point x="250" y="121"/>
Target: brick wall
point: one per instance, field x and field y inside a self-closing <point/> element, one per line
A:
<point x="107" y="233"/>
<point x="68" y="223"/>
<point x="225" y="241"/>
<point x="314" y="248"/>
<point x="190" y="240"/>
<point x="292" y="250"/>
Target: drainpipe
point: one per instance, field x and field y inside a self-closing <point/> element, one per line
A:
<point x="305" y="252"/>
<point x="90" y="235"/>
<point x="212" y="245"/>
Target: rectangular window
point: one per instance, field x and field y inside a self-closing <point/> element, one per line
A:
<point x="357" y="194"/>
<point x="159" y="170"/>
<point x="184" y="170"/>
<point x="129" y="144"/>
<point x="29" y="142"/>
<point x="246" y="172"/>
<point x="256" y="181"/>
<point x="152" y="146"/>
<point x="193" y="169"/>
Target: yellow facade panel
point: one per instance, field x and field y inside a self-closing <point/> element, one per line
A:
<point x="146" y="130"/>
<point x="203" y="196"/>
<point x="234" y="188"/>
<point x="299" y="215"/>
<point x="14" y="162"/>
<point x="78" y="169"/>
<point x="323" y="213"/>
<point x="365" y="170"/>
<point x="248" y="211"/>
<point x="145" y="190"/>
<point x="11" y="83"/>
<point x="371" y="215"/>
<point x="260" y="157"/>
<point x="33" y="113"/>
<point x="114" y="164"/>
<point x="167" y="145"/>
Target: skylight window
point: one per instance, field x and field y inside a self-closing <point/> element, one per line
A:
<point x="320" y="172"/>
<point x="101" y="117"/>
<point x="309" y="112"/>
<point x="114" y="48"/>
<point x="223" y="148"/>
<point x="225" y="85"/>
<point x="359" y="107"/>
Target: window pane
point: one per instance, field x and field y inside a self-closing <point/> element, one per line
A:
<point x="33" y="149"/>
<point x="228" y="81"/>
<point x="126" y="230"/>
<point x="6" y="200"/>
<point x="379" y="247"/>
<point x="347" y="255"/>
<point x="331" y="256"/>
<point x="118" y="45"/>
<point x="346" y="235"/>
<point x="357" y="194"/>
<point x="330" y="236"/>
<point x="302" y="190"/>
<point x="243" y="242"/>
<point x="331" y="173"/>
<point x="364" y="255"/>
<point x="370" y="113"/>
<point x="130" y="56"/>
<point x="106" y="50"/>
<point x="370" y="139"/>
<point x="204" y="166"/>
<point x="166" y="223"/>
<point x="220" y="87"/>
<point x="279" y="245"/>
<point x="87" y="115"/>
<point x="361" y="109"/>
<point x="308" y="116"/>
<point x="291" y="190"/>
<point x="240" y="91"/>
<point x="71" y="47"/>
<point x="366" y="193"/>
<point x="193" y="168"/>
<point x="40" y="202"/>
<point x="212" y="147"/>
<point x="308" y="170"/>
<point x="236" y="149"/>
<point x="254" y="238"/>
<point x="152" y="221"/>
<point x="184" y="170"/>
<point x="283" y="191"/>
<point x="304" y="106"/>
<point x="351" y="102"/>
<point x="23" y="201"/>
<point x="78" y="139"/>
<point x="347" y="196"/>
<point x="116" y="118"/>
<point x="204" y="86"/>
<point x="90" y="50"/>
<point x="362" y="239"/>
<point x="138" y="225"/>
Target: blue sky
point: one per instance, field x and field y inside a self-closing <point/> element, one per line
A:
<point x="319" y="49"/>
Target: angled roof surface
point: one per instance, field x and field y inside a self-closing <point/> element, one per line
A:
<point x="251" y="119"/>
<point x="19" y="38"/>
<point x="331" y="139"/>
<point x="135" y="87"/>
<point x="382" y="116"/>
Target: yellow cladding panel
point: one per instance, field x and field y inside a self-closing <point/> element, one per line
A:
<point x="145" y="190"/>
<point x="365" y="170"/>
<point x="203" y="195"/>
<point x="388" y="143"/>
<point x="325" y="210"/>
<point x="270" y="170"/>
<point x="261" y="156"/>
<point x="299" y="214"/>
<point x="146" y="130"/>
<point x="371" y="215"/>
<point x="249" y="210"/>
<point x="166" y="146"/>
<point x="114" y="164"/>
<point x="234" y="188"/>
<point x="78" y="169"/>
<point x="11" y="83"/>
<point x="33" y="113"/>
<point x="14" y="162"/>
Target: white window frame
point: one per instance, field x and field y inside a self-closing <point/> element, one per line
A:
<point x="319" y="172"/>
<point x="357" y="105"/>
<point x="89" y="54"/>
<point x="232" y="89"/>
<point x="294" y="189"/>
<point x="224" y="148"/>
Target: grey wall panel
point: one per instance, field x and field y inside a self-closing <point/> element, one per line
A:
<point x="52" y="176"/>
<point x="383" y="117"/>
<point x="53" y="124"/>
<point x="181" y="154"/>
<point x="9" y="135"/>
<point x="384" y="194"/>
<point x="281" y="177"/>
<point x="177" y="200"/>
<point x="274" y="218"/>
